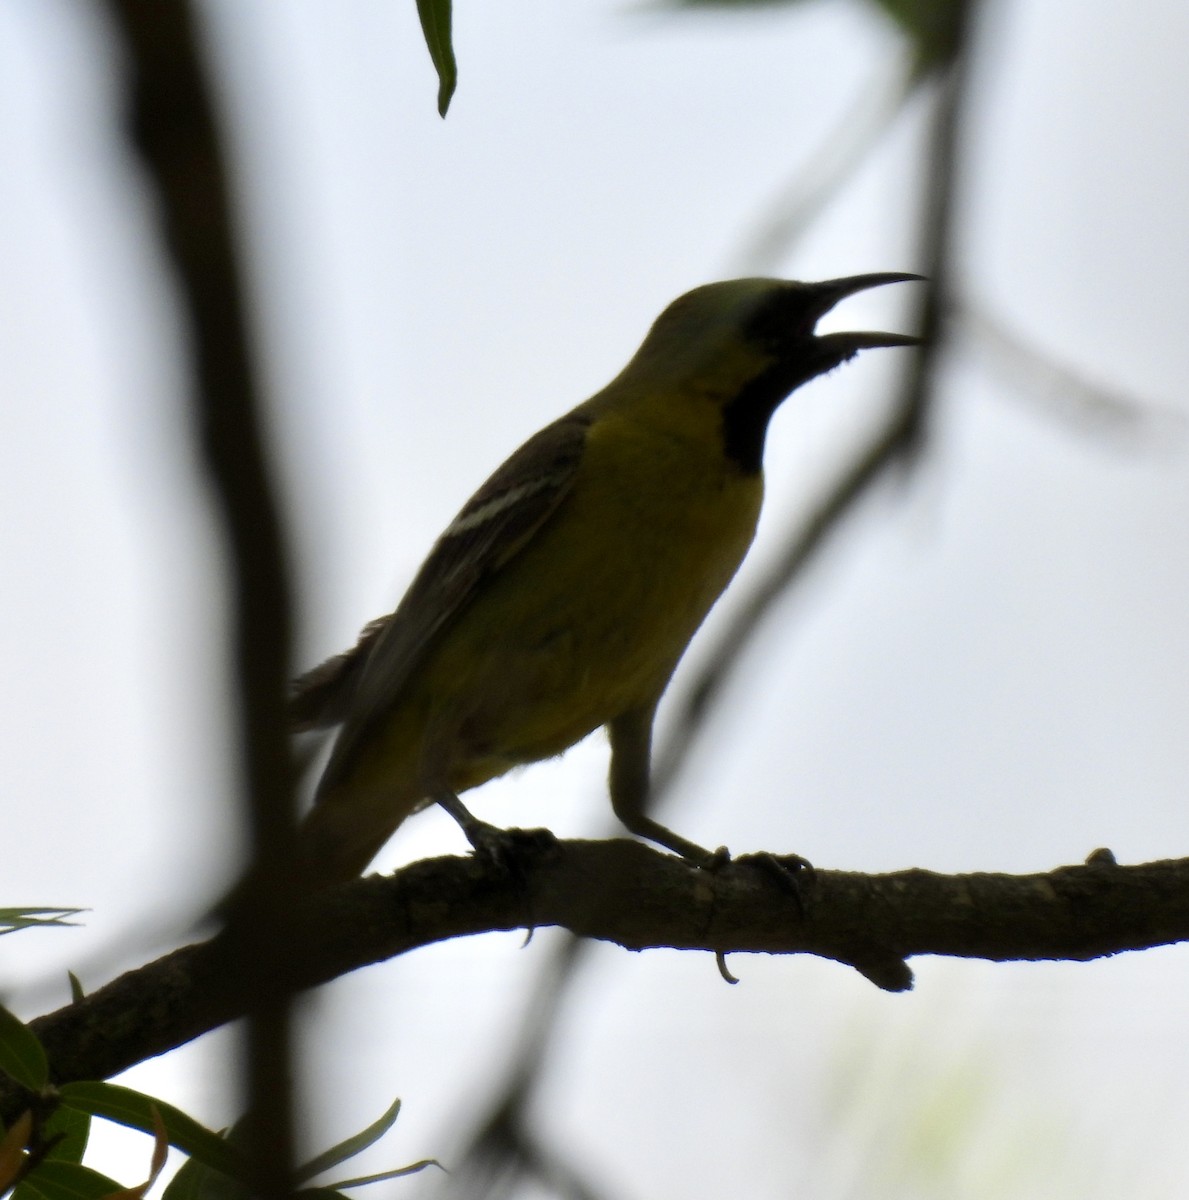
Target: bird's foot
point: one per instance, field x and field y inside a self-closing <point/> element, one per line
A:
<point x="790" y="872"/>
<point x="712" y="860"/>
<point x="508" y="849"/>
<point x="793" y="874"/>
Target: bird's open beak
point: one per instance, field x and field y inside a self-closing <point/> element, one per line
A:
<point x="830" y="292"/>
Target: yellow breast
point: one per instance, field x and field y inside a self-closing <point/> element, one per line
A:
<point x="590" y="619"/>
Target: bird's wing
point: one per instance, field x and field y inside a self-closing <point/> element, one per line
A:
<point x="360" y="687"/>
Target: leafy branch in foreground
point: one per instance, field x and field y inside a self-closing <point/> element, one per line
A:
<point x="13" y="919"/>
<point x="41" y="1152"/>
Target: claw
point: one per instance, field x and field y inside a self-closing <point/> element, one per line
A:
<point x="720" y="959"/>
<point x="790" y="872"/>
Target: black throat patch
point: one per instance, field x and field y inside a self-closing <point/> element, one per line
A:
<point x="746" y="415"/>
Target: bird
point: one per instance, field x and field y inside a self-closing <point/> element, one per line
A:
<point x="564" y="593"/>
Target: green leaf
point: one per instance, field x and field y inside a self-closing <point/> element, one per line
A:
<point x="74" y="1128"/>
<point x="77" y="995"/>
<point x="21" y="1055"/>
<point x="351" y="1146"/>
<point x="54" y="1180"/>
<point x="12" y="919"/>
<point x="435" y="25"/>
<point x="398" y="1173"/>
<point x="134" y="1109"/>
<point x="196" y="1181"/>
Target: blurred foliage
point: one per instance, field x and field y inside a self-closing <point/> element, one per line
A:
<point x="932" y="26"/>
<point x="12" y="919"/>
<point x="21" y="1055"/>
<point x="41" y="1154"/>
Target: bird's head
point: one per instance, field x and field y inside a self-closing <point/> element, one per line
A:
<point x="746" y="344"/>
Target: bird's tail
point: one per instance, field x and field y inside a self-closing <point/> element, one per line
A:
<point x="335" y="844"/>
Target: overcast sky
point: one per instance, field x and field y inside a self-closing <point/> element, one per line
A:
<point x="988" y="670"/>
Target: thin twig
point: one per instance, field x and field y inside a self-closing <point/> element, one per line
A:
<point x="1066" y="391"/>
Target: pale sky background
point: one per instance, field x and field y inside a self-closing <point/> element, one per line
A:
<point x="989" y="670"/>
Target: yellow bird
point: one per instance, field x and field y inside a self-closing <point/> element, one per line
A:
<point x="566" y="590"/>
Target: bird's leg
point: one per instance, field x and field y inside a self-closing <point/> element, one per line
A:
<point x="500" y="846"/>
<point x="503" y="847"/>
<point x="476" y="831"/>
<point x="631" y="748"/>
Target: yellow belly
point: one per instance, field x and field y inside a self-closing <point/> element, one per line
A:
<point x="590" y="619"/>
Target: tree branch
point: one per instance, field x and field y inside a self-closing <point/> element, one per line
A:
<point x="172" y="123"/>
<point x="625" y="892"/>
